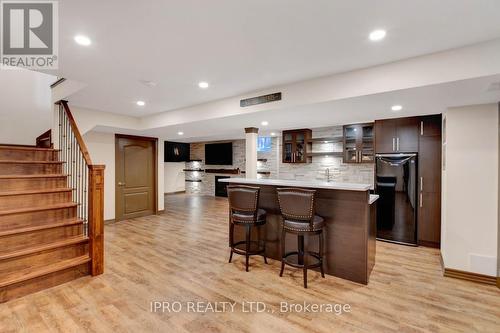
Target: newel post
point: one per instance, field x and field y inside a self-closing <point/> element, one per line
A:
<point x="96" y="218"/>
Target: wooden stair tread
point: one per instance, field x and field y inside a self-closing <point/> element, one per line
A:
<point x="31" y="273"/>
<point x="43" y="247"/>
<point x="37" y="208"/>
<point x="43" y="191"/>
<point x="62" y="223"/>
<point x="41" y="175"/>
<point x="7" y="147"/>
<point x="29" y="162"/>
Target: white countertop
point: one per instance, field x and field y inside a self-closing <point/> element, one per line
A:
<point x="301" y="183"/>
<point x="372" y="198"/>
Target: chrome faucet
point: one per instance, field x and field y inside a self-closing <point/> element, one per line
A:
<point x="327" y="173"/>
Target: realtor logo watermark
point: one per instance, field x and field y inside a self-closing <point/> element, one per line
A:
<point x="29" y="34"/>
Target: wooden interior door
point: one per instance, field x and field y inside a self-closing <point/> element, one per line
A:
<point x="135" y="176"/>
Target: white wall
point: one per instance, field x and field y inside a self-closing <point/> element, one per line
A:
<point x="89" y="119"/>
<point x="101" y="147"/>
<point x="460" y="64"/>
<point x="25" y="105"/>
<point x="470" y="189"/>
<point x="175" y="177"/>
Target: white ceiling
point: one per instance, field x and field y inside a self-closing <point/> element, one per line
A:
<point x="430" y="99"/>
<point x="241" y="46"/>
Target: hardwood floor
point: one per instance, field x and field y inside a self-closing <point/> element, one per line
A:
<point x="182" y="256"/>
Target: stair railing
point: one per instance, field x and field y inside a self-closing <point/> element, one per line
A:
<point x="87" y="183"/>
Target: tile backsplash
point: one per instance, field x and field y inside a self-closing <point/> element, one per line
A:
<point x="339" y="172"/>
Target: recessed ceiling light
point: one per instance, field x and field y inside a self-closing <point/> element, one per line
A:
<point x="273" y="134"/>
<point x="264" y="123"/>
<point x="377" y="35"/>
<point x="203" y="85"/>
<point x="180" y="133"/>
<point x="396" y="108"/>
<point x="83" y="40"/>
<point x="141" y="103"/>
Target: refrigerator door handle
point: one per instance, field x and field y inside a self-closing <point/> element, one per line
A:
<point x="393" y="144"/>
<point x="421" y="183"/>
<point x="397" y="144"/>
<point x="421" y="204"/>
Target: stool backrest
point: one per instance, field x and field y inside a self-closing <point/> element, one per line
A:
<point x="297" y="204"/>
<point x="243" y="199"/>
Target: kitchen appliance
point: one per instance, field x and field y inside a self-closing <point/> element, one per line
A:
<point x="396" y="185"/>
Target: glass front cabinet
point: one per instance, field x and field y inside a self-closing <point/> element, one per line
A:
<point x="359" y="143"/>
<point x="295" y="144"/>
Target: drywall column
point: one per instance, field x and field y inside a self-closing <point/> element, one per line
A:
<point x="470" y="189"/>
<point x="251" y="134"/>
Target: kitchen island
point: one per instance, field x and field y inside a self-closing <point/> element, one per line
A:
<point x="350" y="232"/>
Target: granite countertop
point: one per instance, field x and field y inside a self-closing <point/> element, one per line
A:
<point x="302" y="183"/>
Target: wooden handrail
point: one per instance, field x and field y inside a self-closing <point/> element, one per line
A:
<point x="44" y="140"/>
<point x="95" y="207"/>
<point x="75" y="130"/>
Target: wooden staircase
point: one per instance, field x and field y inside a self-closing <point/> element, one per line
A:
<point x="42" y="241"/>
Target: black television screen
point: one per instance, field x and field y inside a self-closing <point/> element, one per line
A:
<point x="219" y="153"/>
<point x="176" y="152"/>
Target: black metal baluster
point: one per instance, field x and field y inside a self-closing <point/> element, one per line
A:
<point x="73" y="144"/>
<point x="86" y="196"/>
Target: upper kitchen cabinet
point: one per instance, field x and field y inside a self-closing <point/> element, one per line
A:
<point x="430" y="125"/>
<point x="358" y="143"/>
<point x="295" y="144"/>
<point x="397" y="135"/>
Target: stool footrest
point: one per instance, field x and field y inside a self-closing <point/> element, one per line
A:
<point x="257" y="248"/>
<point x="295" y="262"/>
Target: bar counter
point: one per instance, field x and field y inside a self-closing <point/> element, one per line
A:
<point x="350" y="232"/>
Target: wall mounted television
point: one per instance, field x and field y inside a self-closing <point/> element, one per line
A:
<point x="176" y="151"/>
<point x="219" y="153"/>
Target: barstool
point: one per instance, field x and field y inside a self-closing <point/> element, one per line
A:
<point x="297" y="210"/>
<point x="244" y="211"/>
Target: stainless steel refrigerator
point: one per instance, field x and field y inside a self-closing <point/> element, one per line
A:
<point x="396" y="184"/>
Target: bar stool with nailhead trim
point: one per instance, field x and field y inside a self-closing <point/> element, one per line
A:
<point x="297" y="210"/>
<point x="244" y="211"/>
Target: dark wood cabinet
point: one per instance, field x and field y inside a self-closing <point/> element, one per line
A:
<point x="430" y="125"/>
<point x="385" y="136"/>
<point x="407" y="135"/>
<point x="429" y="156"/>
<point x="358" y="143"/>
<point x="295" y="145"/>
<point x="396" y="135"/>
<point x="420" y="135"/>
<point x="429" y="219"/>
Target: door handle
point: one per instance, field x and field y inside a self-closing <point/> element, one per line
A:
<point x="121" y="184"/>
<point x="421" y="184"/>
<point x="421" y="128"/>
<point x="393" y="144"/>
<point x="421" y="204"/>
<point x="397" y="144"/>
